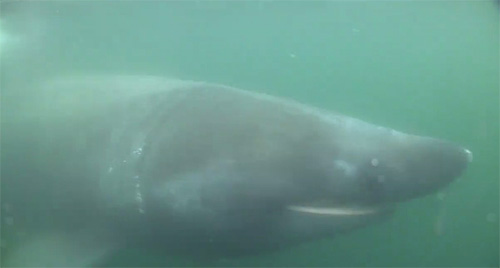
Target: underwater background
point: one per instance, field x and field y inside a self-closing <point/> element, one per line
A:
<point x="425" y="67"/>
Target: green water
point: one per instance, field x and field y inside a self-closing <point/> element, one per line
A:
<point x="427" y="67"/>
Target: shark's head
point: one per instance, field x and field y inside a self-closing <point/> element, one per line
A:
<point x="370" y="166"/>
<point x="361" y="174"/>
<point x="323" y="188"/>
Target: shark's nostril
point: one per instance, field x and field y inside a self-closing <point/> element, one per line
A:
<point x="469" y="155"/>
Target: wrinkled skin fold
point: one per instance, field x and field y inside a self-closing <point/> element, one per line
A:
<point x="205" y="169"/>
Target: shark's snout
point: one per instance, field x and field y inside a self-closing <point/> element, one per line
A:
<point x="434" y="164"/>
<point x="458" y="162"/>
<point x="469" y="155"/>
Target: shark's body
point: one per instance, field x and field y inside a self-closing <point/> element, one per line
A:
<point x="206" y="169"/>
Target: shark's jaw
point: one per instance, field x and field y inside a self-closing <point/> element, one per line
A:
<point x="339" y="210"/>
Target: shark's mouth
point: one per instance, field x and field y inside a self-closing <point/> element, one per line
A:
<point x="340" y="210"/>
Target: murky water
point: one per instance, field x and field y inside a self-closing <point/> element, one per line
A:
<point x="427" y="67"/>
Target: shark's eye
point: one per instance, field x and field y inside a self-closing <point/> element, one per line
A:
<point x="375" y="175"/>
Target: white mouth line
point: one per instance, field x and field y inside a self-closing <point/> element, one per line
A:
<point x="334" y="211"/>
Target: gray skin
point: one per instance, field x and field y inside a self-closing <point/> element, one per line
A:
<point x="210" y="170"/>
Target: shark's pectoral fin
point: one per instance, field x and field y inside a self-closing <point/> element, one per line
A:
<point x="61" y="249"/>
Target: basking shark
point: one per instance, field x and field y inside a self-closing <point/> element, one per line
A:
<point x="96" y="163"/>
